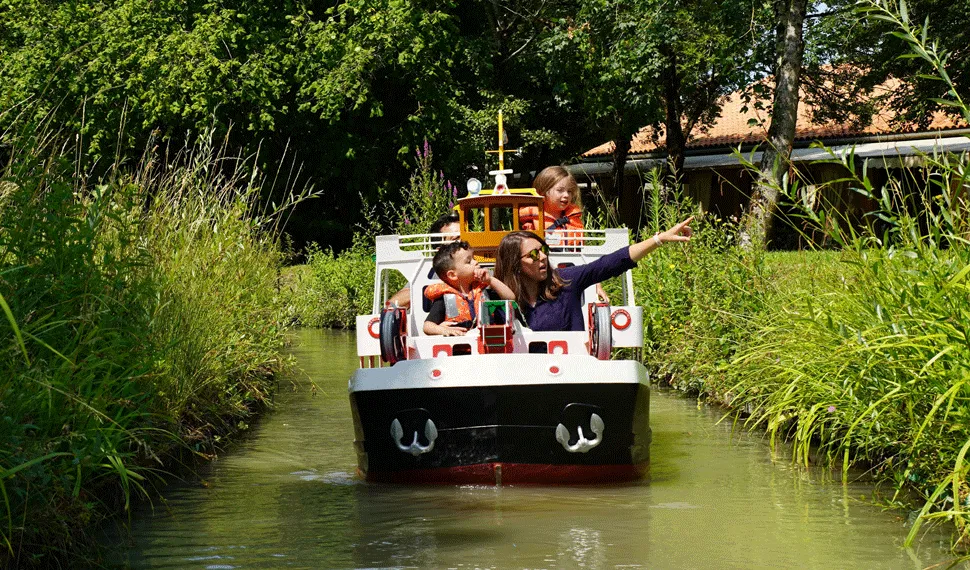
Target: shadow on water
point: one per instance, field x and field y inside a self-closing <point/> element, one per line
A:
<point x="286" y="497"/>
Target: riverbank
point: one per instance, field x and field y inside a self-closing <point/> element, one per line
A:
<point x="855" y="357"/>
<point x="142" y="321"/>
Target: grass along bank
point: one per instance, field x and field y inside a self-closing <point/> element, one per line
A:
<point x="856" y="357"/>
<point x="141" y="317"/>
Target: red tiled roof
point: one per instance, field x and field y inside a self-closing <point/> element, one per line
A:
<point x="732" y="128"/>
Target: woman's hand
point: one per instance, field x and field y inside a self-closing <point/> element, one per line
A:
<point x="679" y="233"/>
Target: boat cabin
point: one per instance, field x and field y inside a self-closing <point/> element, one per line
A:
<point x="486" y="219"/>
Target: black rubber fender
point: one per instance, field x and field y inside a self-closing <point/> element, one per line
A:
<point x="393" y="336"/>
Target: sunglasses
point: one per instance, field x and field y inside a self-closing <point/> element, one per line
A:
<point x="534" y="254"/>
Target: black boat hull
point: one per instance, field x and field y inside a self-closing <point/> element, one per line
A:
<point x="504" y="434"/>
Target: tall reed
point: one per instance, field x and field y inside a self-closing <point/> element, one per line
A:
<point x="875" y="366"/>
<point x="141" y="314"/>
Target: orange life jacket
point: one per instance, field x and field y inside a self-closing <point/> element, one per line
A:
<point x="466" y="307"/>
<point x="571" y="218"/>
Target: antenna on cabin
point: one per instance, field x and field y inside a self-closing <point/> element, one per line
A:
<point x="501" y="186"/>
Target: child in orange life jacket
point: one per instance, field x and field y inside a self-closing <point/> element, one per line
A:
<point x="455" y="265"/>
<point x="563" y="210"/>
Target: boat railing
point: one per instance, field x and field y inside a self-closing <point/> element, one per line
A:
<point x="393" y="248"/>
<point x="587" y="243"/>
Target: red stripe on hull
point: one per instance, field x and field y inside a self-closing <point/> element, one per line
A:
<point x="515" y="474"/>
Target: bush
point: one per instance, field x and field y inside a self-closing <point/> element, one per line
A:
<point x="333" y="288"/>
<point x="141" y="315"/>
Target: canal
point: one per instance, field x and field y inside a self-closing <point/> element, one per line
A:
<point x="286" y="496"/>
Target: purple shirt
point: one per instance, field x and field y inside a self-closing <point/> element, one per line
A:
<point x="567" y="311"/>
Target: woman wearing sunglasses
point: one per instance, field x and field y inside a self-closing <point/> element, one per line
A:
<point x="552" y="299"/>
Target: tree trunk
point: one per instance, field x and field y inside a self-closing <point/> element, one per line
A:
<point x="775" y="161"/>
<point x="620" y="152"/>
<point x="675" y="138"/>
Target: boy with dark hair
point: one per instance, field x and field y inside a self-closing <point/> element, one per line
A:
<point x="445" y="224"/>
<point x="466" y="281"/>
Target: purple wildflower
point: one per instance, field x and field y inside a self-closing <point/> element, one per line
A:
<point x="427" y="148"/>
<point x="831" y="409"/>
<point x="407" y="221"/>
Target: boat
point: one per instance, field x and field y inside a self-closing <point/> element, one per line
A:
<point x="502" y="404"/>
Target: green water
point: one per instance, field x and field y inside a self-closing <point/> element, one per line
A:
<point x="286" y="497"/>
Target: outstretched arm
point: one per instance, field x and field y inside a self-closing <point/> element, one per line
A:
<point x="680" y="232"/>
<point x="402" y="298"/>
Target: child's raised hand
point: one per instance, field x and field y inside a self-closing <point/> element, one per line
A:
<point x="482" y="276"/>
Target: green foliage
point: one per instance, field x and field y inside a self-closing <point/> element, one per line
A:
<point x="142" y="315"/>
<point x="904" y="44"/>
<point x="345" y="90"/>
<point x="604" y="60"/>
<point x="428" y="196"/>
<point x="334" y="288"/>
<point x="627" y="64"/>
<point x="701" y="301"/>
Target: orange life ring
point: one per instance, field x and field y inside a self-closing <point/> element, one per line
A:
<point x="370" y="328"/>
<point x="623" y="313"/>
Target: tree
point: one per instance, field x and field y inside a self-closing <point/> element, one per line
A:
<point x="789" y="50"/>
<point x="604" y="59"/>
<point x="343" y="91"/>
<point x="708" y="50"/>
<point x="875" y="46"/>
<point x="646" y="62"/>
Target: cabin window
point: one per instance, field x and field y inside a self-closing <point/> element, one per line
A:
<point x="538" y="347"/>
<point x="475" y="219"/>
<point x="392" y="281"/>
<point x="502" y="218"/>
<point x="461" y="350"/>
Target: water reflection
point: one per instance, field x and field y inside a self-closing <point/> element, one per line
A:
<point x="286" y="497"/>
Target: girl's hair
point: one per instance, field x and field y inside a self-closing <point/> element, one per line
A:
<point x="550" y="176"/>
<point x="508" y="268"/>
